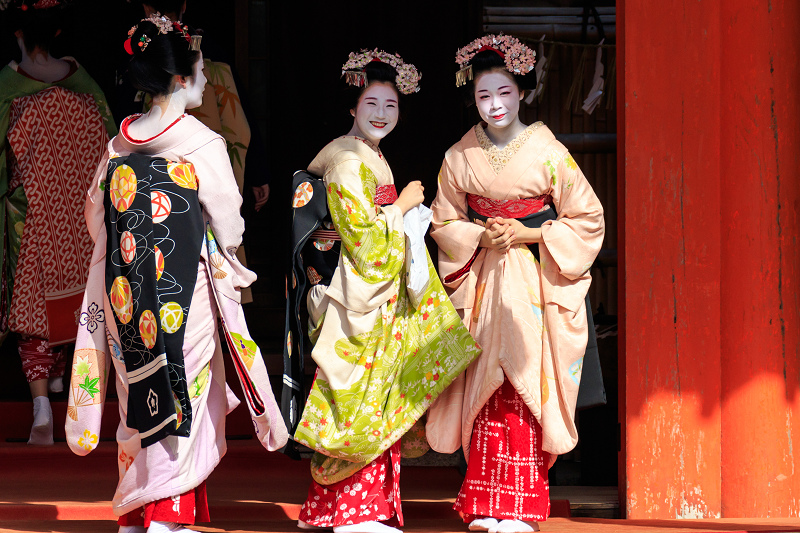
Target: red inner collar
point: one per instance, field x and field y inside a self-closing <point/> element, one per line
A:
<point x="129" y="120"/>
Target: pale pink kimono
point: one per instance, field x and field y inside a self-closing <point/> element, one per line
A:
<point x="529" y="317"/>
<point x="173" y="465"/>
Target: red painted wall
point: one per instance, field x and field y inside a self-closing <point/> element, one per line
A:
<point x="760" y="177"/>
<point x="710" y="279"/>
<point x="672" y="262"/>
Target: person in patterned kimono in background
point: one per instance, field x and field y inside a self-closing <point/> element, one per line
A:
<point x="518" y="227"/>
<point x="46" y="249"/>
<point x="385" y="347"/>
<point x="223" y="111"/>
<point x="163" y="210"/>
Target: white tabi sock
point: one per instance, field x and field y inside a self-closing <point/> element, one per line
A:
<point x="42" y="430"/>
<point x="306" y="525"/>
<point x="131" y="529"/>
<point x="483" y="524"/>
<point x="167" y="527"/>
<point x="366" y="527"/>
<point x="514" y="526"/>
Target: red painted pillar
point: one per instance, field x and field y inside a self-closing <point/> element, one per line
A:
<point x="672" y="261"/>
<point x="621" y="258"/>
<point x="760" y="170"/>
<point x="711" y="189"/>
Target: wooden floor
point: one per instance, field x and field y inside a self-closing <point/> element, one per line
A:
<point x="419" y="525"/>
<point x="51" y="490"/>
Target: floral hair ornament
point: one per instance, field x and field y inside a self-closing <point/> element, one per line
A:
<point x="193" y="40"/>
<point x="519" y="59"/>
<point x="164" y="25"/>
<point x="407" y="80"/>
<point x="41" y="4"/>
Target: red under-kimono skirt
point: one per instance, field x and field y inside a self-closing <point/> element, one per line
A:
<point x="507" y="471"/>
<point x="371" y="494"/>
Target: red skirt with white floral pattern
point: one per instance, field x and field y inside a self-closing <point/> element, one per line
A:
<point x="371" y="494"/>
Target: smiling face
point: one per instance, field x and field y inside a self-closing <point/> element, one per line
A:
<point x="376" y="112"/>
<point x="497" y="98"/>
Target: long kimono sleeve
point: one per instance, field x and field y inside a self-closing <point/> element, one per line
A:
<point x="90" y="369"/>
<point x="219" y="195"/>
<point x="458" y="237"/>
<point x="373" y="243"/>
<point x="573" y="240"/>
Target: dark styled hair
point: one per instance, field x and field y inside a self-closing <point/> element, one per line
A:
<point x="165" y="6"/>
<point x="166" y="55"/>
<point x="487" y="61"/>
<point x="39" y="26"/>
<point x="375" y="71"/>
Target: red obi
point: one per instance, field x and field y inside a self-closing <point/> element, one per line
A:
<point x="489" y="207"/>
<point x="385" y="195"/>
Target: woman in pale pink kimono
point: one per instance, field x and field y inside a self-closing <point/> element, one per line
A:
<point x="518" y="227"/>
<point x="173" y="166"/>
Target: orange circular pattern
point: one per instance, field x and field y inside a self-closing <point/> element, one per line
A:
<point x="123" y="188"/>
<point x="323" y="245"/>
<point x="161" y="206"/>
<point x="303" y="194"/>
<point x="178" y="410"/>
<point x="183" y="175"/>
<point x="148" y="328"/>
<point x="127" y="246"/>
<point x="159" y="263"/>
<point x="121" y="299"/>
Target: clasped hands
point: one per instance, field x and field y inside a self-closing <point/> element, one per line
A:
<point x="502" y="233"/>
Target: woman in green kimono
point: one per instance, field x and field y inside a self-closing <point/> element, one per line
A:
<point x="386" y="348"/>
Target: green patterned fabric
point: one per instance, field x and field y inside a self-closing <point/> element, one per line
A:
<point x="16" y="206"/>
<point x="394" y="370"/>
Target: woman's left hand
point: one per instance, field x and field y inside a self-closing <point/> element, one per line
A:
<point x="521" y="233"/>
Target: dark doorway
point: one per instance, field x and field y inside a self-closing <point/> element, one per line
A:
<point x="288" y="56"/>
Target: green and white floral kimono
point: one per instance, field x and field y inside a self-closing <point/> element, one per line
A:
<point x="383" y="356"/>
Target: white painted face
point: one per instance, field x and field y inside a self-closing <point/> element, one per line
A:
<point x="196" y="85"/>
<point x="376" y="112"/>
<point x="497" y="99"/>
